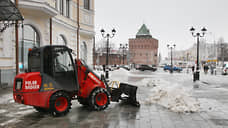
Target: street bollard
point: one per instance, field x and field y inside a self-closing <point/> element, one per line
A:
<point x="196" y="79"/>
<point x="195" y="76"/>
<point x="106" y="74"/>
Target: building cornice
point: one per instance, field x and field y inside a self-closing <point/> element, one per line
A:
<point x="39" y="5"/>
<point x="82" y="31"/>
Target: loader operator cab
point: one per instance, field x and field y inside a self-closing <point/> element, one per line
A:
<point x="56" y="64"/>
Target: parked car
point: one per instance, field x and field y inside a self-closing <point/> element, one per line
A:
<point x="146" y="67"/>
<point x="225" y="71"/>
<point x="125" y="67"/>
<point x="168" y="67"/>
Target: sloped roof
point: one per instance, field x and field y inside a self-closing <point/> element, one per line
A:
<point x="143" y="31"/>
<point x="8" y="11"/>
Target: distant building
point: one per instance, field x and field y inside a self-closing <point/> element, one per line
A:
<point x="208" y="52"/>
<point x="222" y="51"/>
<point x="144" y="48"/>
<point x="116" y="57"/>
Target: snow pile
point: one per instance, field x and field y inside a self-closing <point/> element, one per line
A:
<point x="148" y="82"/>
<point x="175" y="98"/>
<point x="120" y="75"/>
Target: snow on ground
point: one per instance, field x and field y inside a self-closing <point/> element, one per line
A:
<point x="174" y="94"/>
<point x="14" y="120"/>
<point x="210" y="105"/>
<point x="170" y="95"/>
<point x="2" y="111"/>
<point x="213" y="81"/>
<point x="15" y="116"/>
<point x="120" y="75"/>
<point x="178" y="96"/>
<point x="6" y="98"/>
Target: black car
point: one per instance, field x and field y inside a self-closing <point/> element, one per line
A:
<point x="146" y="67"/>
<point x="124" y="67"/>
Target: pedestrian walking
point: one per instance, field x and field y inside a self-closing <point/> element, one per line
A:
<point x="212" y="69"/>
<point x="193" y="67"/>
<point x="103" y="68"/>
<point x="205" y="68"/>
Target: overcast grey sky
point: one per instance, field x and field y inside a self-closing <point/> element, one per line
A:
<point x="169" y="21"/>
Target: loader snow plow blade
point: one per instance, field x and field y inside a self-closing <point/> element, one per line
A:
<point x="125" y="89"/>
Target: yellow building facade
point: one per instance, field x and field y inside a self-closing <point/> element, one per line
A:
<point x="47" y="21"/>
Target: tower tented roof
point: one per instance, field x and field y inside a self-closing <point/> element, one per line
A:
<point x="143" y="32"/>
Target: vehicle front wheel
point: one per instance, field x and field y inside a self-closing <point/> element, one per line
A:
<point x="99" y="99"/>
<point x="60" y="104"/>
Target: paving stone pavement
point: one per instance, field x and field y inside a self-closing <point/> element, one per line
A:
<point x="119" y="115"/>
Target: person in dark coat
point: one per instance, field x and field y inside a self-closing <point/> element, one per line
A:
<point x="193" y="67"/>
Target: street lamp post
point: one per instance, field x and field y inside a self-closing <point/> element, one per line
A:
<point x="107" y="47"/>
<point x="187" y="62"/>
<point x="196" y="74"/>
<point x="171" y="47"/>
<point x="222" y="46"/>
<point x="124" y="48"/>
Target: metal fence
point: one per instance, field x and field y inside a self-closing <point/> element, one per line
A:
<point x="7" y="77"/>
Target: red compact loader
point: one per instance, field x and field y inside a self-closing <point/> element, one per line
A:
<point x="53" y="79"/>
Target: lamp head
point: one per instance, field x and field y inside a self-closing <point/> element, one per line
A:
<point x="192" y="29"/>
<point x="204" y="30"/>
<point x="113" y="31"/>
<point x="102" y="31"/>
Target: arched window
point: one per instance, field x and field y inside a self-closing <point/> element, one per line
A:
<point x="61" y="40"/>
<point x="29" y="38"/>
<point x="83" y="51"/>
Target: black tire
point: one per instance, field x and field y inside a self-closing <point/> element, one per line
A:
<point x="83" y="101"/>
<point x="99" y="99"/>
<point x="41" y="110"/>
<point x="60" y="104"/>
